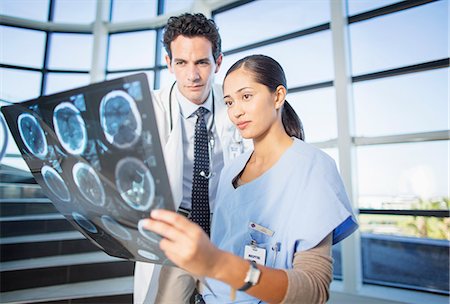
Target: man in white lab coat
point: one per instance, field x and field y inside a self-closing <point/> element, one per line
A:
<point x="194" y="56"/>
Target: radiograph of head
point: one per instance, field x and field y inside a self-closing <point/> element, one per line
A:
<point x="84" y="222"/>
<point x="70" y="128"/>
<point x="135" y="183"/>
<point x="120" y="119"/>
<point x="115" y="228"/>
<point x="55" y="183"/>
<point x="32" y="135"/>
<point x="89" y="183"/>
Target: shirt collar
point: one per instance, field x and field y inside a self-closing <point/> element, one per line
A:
<point x="187" y="108"/>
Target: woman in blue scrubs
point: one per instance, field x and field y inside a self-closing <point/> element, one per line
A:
<point x="279" y="208"/>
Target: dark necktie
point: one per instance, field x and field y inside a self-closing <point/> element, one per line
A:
<point x="200" y="195"/>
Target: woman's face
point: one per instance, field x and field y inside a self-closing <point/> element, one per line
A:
<point x="251" y="106"/>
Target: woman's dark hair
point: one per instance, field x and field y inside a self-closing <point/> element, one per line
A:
<point x="192" y="25"/>
<point x="267" y="71"/>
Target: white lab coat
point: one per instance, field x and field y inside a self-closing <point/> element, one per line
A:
<point x="146" y="275"/>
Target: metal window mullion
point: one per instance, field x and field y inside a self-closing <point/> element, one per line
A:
<point x="351" y="248"/>
<point x="47" y="45"/>
<point x="158" y="47"/>
<point x="100" y="41"/>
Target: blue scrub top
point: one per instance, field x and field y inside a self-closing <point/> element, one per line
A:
<point x="301" y="199"/>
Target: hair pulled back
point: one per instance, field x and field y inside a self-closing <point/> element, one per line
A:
<point x="267" y="71"/>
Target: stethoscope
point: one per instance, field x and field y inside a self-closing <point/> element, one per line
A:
<point x="211" y="140"/>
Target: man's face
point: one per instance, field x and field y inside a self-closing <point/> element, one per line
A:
<point x="194" y="66"/>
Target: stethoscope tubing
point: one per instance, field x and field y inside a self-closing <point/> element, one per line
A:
<point x="211" y="125"/>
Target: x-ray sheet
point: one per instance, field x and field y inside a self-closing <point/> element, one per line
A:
<point x="96" y="153"/>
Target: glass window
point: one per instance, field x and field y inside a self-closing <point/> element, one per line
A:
<point x="177" y="6"/>
<point x="405" y="38"/>
<point x="317" y="111"/>
<point x="13" y="90"/>
<point x="73" y="11"/>
<point x="411" y="226"/>
<point x="70" y="52"/>
<point x="57" y="82"/>
<point x="305" y="60"/>
<point x="166" y="78"/>
<point x="150" y="76"/>
<point x="361" y="6"/>
<point x="27" y="9"/>
<point x="126" y="10"/>
<point x="417" y="263"/>
<point x="16" y="44"/>
<point x="380" y="105"/>
<point x="132" y="50"/>
<point x="399" y="176"/>
<point x="267" y="19"/>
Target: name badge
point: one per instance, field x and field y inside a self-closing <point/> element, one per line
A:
<point x="255" y="253"/>
<point x="260" y="228"/>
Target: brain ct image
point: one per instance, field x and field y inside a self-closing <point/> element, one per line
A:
<point x="84" y="222"/>
<point x="120" y="119"/>
<point x="115" y="228"/>
<point x="151" y="236"/>
<point x="70" y="128"/>
<point x="55" y="183"/>
<point x="135" y="183"/>
<point x="89" y="183"/>
<point x="148" y="255"/>
<point x="32" y="135"/>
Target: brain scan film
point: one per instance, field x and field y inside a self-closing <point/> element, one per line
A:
<point x="84" y="222"/>
<point x="70" y="128"/>
<point x="89" y="183"/>
<point x="55" y="183"/>
<point x="32" y="135"/>
<point x="135" y="183"/>
<point x="96" y="153"/>
<point x="120" y="119"/>
<point x="115" y="228"/>
<point x="148" y="255"/>
<point x="152" y="237"/>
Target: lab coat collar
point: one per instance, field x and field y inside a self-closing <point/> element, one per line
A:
<point x="187" y="107"/>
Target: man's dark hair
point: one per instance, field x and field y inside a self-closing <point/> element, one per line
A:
<point x="192" y="25"/>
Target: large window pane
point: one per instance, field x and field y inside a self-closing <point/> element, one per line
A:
<point x="70" y="52"/>
<point x="409" y="37"/>
<point x="57" y="82"/>
<point x="405" y="104"/>
<point x="73" y="11"/>
<point x="402" y="175"/>
<point x="27" y="9"/>
<point x="130" y="10"/>
<point x="267" y="18"/>
<point x="410" y="226"/>
<point x="416" y="263"/>
<point x="16" y="44"/>
<point x="361" y="6"/>
<point x="132" y="50"/>
<point x="166" y="78"/>
<point x="18" y="85"/>
<point x="305" y="60"/>
<point x="177" y="6"/>
<point x="317" y="111"/>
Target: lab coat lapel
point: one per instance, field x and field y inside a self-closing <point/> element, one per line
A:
<point x="173" y="152"/>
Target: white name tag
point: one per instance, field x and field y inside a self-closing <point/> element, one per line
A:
<point x="260" y="228"/>
<point x="254" y="253"/>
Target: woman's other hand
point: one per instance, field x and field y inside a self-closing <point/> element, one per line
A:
<point x="184" y="242"/>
